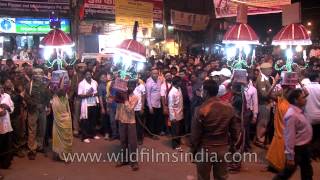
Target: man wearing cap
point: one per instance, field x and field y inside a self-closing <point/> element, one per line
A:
<point x="37" y="97"/>
<point x="224" y="88"/>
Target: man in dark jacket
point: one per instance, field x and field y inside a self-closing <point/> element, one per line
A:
<point x="213" y="122"/>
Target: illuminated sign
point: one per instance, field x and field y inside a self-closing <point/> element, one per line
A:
<point x="30" y="25"/>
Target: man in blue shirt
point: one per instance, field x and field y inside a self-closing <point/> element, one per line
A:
<point x="297" y="134"/>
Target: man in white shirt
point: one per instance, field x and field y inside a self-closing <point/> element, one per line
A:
<point x="6" y="107"/>
<point x="153" y="96"/>
<point x="312" y="111"/>
<point x="24" y="54"/>
<point x="140" y="92"/>
<point x="164" y="91"/>
<point x="175" y="105"/>
<point x="87" y="91"/>
<point x="251" y="96"/>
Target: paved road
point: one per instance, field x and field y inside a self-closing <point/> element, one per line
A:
<point x="43" y="168"/>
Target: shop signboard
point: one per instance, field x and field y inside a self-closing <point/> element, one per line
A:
<point x="189" y="21"/>
<point x="34" y="7"/>
<point x="105" y="9"/>
<point x="228" y="8"/>
<point x="128" y="11"/>
<point x="30" y="25"/>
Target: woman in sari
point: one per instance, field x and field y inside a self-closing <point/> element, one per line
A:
<point x="275" y="154"/>
<point x="62" y="124"/>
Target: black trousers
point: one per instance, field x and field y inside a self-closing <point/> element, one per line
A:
<point x="140" y="122"/>
<point x="176" y="128"/>
<point x="187" y="119"/>
<point x="6" y="154"/>
<point x="105" y="123"/>
<point x="156" y="121"/>
<point x="247" y="125"/>
<point x="88" y="126"/>
<point x="302" y="159"/>
<point x="315" y="144"/>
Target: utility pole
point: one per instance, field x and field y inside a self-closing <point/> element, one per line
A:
<point x="75" y="6"/>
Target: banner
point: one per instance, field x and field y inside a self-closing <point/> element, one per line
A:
<point x="34" y="7"/>
<point x="189" y="21"/>
<point x="30" y="25"/>
<point x="128" y="11"/>
<point x="228" y="8"/>
<point x="105" y="9"/>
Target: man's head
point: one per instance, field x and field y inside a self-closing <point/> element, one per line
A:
<point x="154" y="73"/>
<point x="82" y="67"/>
<point x="314" y="76"/>
<point x="182" y="74"/>
<point x="88" y="76"/>
<point x="70" y="71"/>
<point x="256" y="73"/>
<point x="131" y="86"/>
<point x="168" y="77"/>
<point x="109" y="77"/>
<point x="193" y="78"/>
<point x="103" y="78"/>
<point x="297" y="97"/>
<point x="210" y="89"/>
<point x="174" y="71"/>
<point x="176" y="82"/>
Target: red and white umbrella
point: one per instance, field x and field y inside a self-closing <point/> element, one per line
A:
<point x="293" y="34"/>
<point x="131" y="49"/>
<point x="56" y="38"/>
<point x="133" y="46"/>
<point x="240" y="34"/>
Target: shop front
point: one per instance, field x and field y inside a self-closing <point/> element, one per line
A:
<point x="20" y="33"/>
<point x="23" y="23"/>
<point x="106" y="25"/>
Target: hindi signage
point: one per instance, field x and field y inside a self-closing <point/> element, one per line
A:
<point x="228" y="8"/>
<point x="105" y="9"/>
<point x="189" y="21"/>
<point x="128" y="11"/>
<point x="34" y="7"/>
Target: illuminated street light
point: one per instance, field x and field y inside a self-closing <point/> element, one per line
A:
<point x="309" y="32"/>
<point x="309" y="24"/>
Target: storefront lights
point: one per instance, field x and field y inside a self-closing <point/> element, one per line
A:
<point x="159" y="26"/>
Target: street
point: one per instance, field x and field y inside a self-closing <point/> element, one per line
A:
<point x="45" y="168"/>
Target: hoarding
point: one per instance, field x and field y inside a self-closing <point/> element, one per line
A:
<point x="36" y="7"/>
<point x="105" y="9"/>
<point x="30" y="25"/>
<point x="228" y="8"/>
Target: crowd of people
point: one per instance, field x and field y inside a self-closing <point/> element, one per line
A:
<point x="195" y="97"/>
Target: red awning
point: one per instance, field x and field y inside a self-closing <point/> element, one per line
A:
<point x="56" y="38"/>
<point x="240" y="34"/>
<point x="293" y="34"/>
